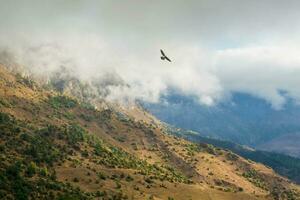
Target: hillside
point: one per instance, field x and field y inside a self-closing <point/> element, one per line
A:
<point x="55" y="146"/>
<point x="285" y="165"/>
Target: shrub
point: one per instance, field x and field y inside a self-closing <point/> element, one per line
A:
<point x="31" y="169"/>
<point x="4" y="118"/>
<point x="76" y="180"/>
<point x="129" y="178"/>
<point x="75" y="134"/>
<point x="101" y="175"/>
<point x="62" y="102"/>
<point x="44" y="171"/>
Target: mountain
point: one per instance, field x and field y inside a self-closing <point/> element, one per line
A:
<point x="243" y="119"/>
<point x="288" y="144"/>
<point x="58" y="146"/>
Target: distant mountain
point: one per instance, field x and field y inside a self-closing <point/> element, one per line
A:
<point x="243" y="119"/>
<point x="288" y="143"/>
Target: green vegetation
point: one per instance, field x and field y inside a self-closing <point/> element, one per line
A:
<point x="255" y="178"/>
<point x="4" y="103"/>
<point x="231" y="156"/>
<point x="4" y="118"/>
<point x="16" y="182"/>
<point x="38" y="153"/>
<point x="192" y="149"/>
<point x="25" y="81"/>
<point x="62" y="101"/>
<point x="87" y="106"/>
<point x="41" y="148"/>
<point x="115" y="158"/>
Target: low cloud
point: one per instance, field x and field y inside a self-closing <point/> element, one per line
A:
<point x="88" y="57"/>
<point x="217" y="47"/>
<point x="269" y="72"/>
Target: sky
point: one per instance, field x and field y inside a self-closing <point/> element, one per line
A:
<point x="217" y="47"/>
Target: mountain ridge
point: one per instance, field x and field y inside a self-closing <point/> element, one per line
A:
<point x="74" y="150"/>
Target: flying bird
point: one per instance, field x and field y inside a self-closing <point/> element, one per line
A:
<point x="163" y="56"/>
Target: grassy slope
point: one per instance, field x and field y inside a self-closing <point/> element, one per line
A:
<point x="73" y="151"/>
<point x="283" y="164"/>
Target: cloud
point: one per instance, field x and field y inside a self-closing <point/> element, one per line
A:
<point x="89" y="57"/>
<point x="263" y="71"/>
<point x="217" y="47"/>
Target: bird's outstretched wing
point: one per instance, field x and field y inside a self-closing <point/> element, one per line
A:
<point x="162" y="53"/>
<point x="168" y="59"/>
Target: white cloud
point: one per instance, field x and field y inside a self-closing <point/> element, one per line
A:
<point x="88" y="56"/>
<point x="217" y="47"/>
<point x="264" y="71"/>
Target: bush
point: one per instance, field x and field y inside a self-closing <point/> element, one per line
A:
<point x="31" y="169"/>
<point x="4" y="118"/>
<point x="129" y="178"/>
<point x="76" y="180"/>
<point x="101" y="175"/>
<point x="44" y="171"/>
<point x="62" y="102"/>
<point x="75" y="134"/>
